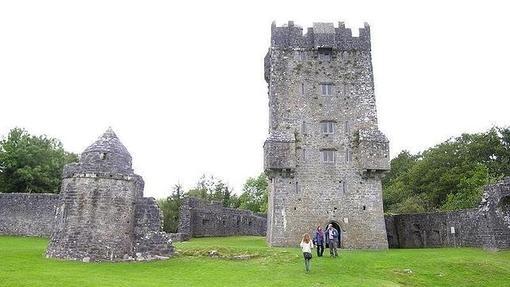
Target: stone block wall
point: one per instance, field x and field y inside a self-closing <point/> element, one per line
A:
<point x="27" y="214"/>
<point x="487" y="226"/>
<point x="435" y="229"/>
<point x="149" y="239"/>
<point x="199" y="218"/>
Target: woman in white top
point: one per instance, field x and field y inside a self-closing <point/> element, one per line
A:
<point x="306" y="247"/>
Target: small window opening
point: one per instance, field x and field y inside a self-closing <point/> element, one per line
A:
<point x="300" y="55"/>
<point x="328" y="156"/>
<point x="303" y="127"/>
<point x="102" y="156"/>
<point x="364" y="207"/>
<point x="326" y="89"/>
<point x="348" y="155"/>
<point x="327" y="127"/>
<point x="325" y="54"/>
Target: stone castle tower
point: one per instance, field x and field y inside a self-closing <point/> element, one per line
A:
<point x="324" y="155"/>
<point x="103" y="214"/>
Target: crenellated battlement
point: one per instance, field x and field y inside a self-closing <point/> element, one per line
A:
<point x="320" y="35"/>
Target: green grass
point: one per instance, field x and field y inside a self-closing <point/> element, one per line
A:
<point x="22" y="263"/>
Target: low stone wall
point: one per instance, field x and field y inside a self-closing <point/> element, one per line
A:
<point x="459" y="228"/>
<point x="27" y="214"/>
<point x="487" y="226"/>
<point x="199" y="218"/>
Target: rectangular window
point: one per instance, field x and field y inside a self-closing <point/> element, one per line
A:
<point x="325" y="54"/>
<point x="300" y="55"/>
<point x="302" y="89"/>
<point x="347" y="128"/>
<point x="348" y="155"/>
<point x="341" y="186"/>
<point x="328" y="156"/>
<point x="327" y="127"/>
<point x="303" y="127"/>
<point x="327" y="89"/>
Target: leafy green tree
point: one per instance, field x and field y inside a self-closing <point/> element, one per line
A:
<point x="31" y="163"/>
<point x="170" y="207"/>
<point x="448" y="176"/>
<point x="214" y="189"/>
<point x="254" y="196"/>
<point x="396" y="182"/>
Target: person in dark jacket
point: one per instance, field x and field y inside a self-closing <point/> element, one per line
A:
<point x="318" y="240"/>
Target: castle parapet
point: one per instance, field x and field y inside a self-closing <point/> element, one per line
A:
<point x="321" y="35"/>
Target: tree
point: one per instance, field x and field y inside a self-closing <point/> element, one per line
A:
<point x="254" y="196"/>
<point x="396" y="182"/>
<point x="170" y="207"/>
<point x="31" y="163"/>
<point x="211" y="188"/>
<point x="448" y="176"/>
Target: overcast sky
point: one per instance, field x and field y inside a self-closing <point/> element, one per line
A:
<point x="181" y="82"/>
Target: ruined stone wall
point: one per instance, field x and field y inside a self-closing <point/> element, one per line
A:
<point x="435" y="229"/>
<point x="199" y="218"/>
<point x="487" y="226"/>
<point x="150" y="240"/>
<point x="305" y="190"/>
<point x="27" y="214"/>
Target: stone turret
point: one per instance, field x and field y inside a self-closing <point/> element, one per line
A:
<point x="102" y="213"/>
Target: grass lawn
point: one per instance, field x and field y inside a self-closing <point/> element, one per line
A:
<point x="22" y="263"/>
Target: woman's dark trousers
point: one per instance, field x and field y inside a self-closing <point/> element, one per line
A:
<point x="320" y="250"/>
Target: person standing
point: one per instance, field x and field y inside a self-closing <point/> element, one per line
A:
<point x="332" y="240"/>
<point x="318" y="240"/>
<point x="306" y="247"/>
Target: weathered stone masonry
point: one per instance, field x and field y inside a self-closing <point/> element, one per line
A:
<point x="487" y="226"/>
<point x="324" y="154"/>
<point x="102" y="214"/>
<point x="27" y="214"/>
<point x="198" y="218"/>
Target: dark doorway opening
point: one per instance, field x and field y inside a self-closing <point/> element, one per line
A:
<point x="337" y="227"/>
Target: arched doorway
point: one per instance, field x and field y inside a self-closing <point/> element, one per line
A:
<point x="337" y="227"/>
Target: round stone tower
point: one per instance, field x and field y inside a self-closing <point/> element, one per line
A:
<point x="99" y="200"/>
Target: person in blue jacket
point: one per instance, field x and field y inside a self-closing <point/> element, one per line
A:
<point x="318" y="240"/>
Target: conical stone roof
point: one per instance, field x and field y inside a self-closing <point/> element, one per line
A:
<point x="106" y="155"/>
